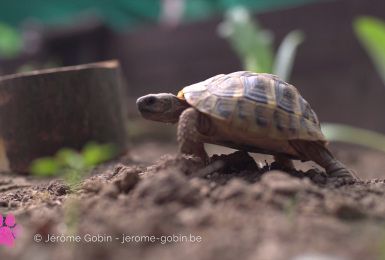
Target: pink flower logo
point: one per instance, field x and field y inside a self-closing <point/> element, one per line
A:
<point x="8" y="230"/>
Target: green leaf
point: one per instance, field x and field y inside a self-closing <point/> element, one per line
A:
<point x="354" y="135"/>
<point x="10" y="41"/>
<point x="252" y="44"/>
<point x="95" y="154"/>
<point x="371" y="33"/>
<point x="70" y="158"/>
<point x="71" y="164"/>
<point x="45" y="166"/>
<point x="286" y="53"/>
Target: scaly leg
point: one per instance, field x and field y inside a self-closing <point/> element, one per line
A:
<point x="317" y="152"/>
<point x="189" y="138"/>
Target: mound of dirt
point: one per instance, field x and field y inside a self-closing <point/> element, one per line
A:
<point x="178" y="209"/>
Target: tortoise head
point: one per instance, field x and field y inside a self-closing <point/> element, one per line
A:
<point x="163" y="107"/>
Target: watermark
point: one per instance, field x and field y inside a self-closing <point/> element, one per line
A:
<point x="122" y="239"/>
<point x="9" y="230"/>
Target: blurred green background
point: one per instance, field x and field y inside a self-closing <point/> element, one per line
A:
<point x="124" y="13"/>
<point x="331" y="50"/>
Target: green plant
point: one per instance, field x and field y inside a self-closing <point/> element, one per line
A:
<point x="370" y="32"/>
<point x="10" y="41"/>
<point x="354" y="135"/>
<point x="254" y="45"/>
<point x="73" y="165"/>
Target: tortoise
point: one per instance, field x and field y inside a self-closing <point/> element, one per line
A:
<point x="247" y="111"/>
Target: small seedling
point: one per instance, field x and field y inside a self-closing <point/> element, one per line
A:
<point x="71" y="164"/>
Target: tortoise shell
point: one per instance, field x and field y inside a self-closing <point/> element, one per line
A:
<point x="258" y="104"/>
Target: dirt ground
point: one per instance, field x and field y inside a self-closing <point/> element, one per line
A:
<point x="167" y="207"/>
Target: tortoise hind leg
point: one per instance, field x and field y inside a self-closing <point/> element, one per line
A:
<point x="284" y="161"/>
<point x="318" y="153"/>
<point x="189" y="138"/>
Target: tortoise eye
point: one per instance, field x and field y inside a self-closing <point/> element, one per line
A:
<point x="150" y="100"/>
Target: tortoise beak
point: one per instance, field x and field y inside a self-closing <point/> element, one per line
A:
<point x="140" y="103"/>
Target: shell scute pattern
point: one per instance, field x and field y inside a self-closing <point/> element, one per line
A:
<point x="224" y="107"/>
<point x="262" y="117"/>
<point x="206" y="104"/>
<point x="305" y="126"/>
<point x="279" y="121"/>
<point x="293" y="125"/>
<point x="242" y="110"/>
<point x="227" y="87"/>
<point x="307" y="112"/>
<point x="258" y="103"/>
<point x="241" y="116"/>
<point x="286" y="97"/>
<point x="257" y="89"/>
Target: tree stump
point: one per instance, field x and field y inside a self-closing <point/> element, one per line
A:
<point x="43" y="111"/>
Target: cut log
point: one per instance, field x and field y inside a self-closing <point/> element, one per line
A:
<point x="43" y="111"/>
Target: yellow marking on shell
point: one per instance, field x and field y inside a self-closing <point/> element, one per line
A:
<point x="271" y="100"/>
<point x="181" y="95"/>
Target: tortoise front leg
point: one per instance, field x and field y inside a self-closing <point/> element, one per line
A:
<point x="318" y="153"/>
<point x="189" y="139"/>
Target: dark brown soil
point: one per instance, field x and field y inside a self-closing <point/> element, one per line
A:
<point x="234" y="208"/>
